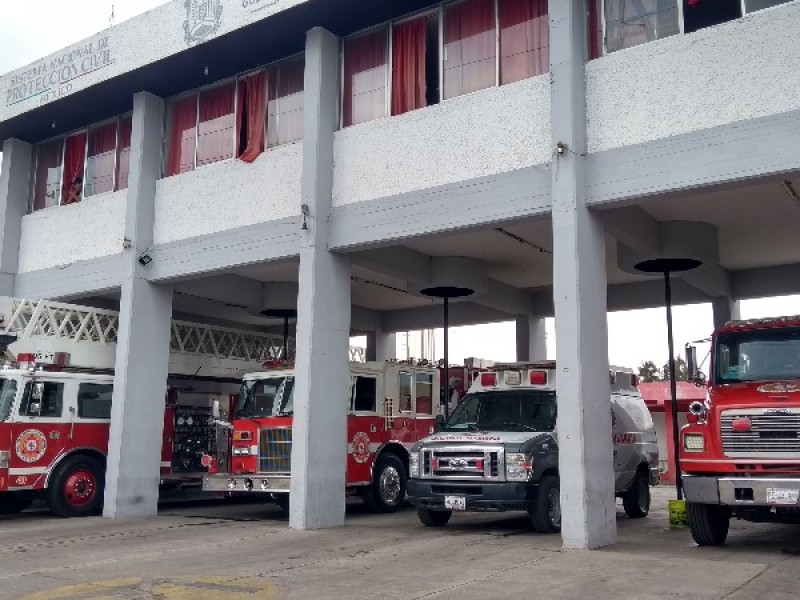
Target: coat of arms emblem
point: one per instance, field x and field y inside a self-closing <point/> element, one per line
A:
<point x="203" y="18"/>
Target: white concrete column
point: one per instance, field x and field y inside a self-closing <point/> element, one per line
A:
<point x="579" y="290"/>
<point x="319" y="447"/>
<point x="531" y="338"/>
<point x="381" y="345"/>
<point x="725" y="309"/>
<point x="140" y="377"/>
<point x="15" y="174"/>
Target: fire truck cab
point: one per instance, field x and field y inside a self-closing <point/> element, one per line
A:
<point x="391" y="405"/>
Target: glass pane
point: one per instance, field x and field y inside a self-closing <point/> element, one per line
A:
<point x="753" y="5"/>
<point x="698" y="14"/>
<point x="124" y="157"/>
<point x="8" y="392"/>
<point x="100" y="160"/>
<point x="469" y="47"/>
<point x="216" y="125"/>
<point x="631" y="23"/>
<point x="47" y="186"/>
<point x="524" y="39"/>
<point x="182" y="131"/>
<point x="365" y="67"/>
<point x="74" y="162"/>
<point x="404" y="382"/>
<point x="365" y="394"/>
<point x="285" y="108"/>
<point x="94" y="400"/>
<point x="409" y="63"/>
<point x="51" y="403"/>
<point x="424" y="393"/>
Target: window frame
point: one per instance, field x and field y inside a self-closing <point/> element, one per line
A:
<point x="199" y="91"/>
<point x="265" y="69"/>
<point x="353" y="389"/>
<point x="116" y="120"/>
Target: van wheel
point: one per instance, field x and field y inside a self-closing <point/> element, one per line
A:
<point x="636" y="501"/>
<point x="434" y="518"/>
<point x="76" y="488"/>
<point x="388" y="489"/>
<point x="546" y="515"/>
<point x="708" y="523"/>
<point x="12" y="503"/>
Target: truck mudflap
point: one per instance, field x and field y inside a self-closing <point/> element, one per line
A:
<point x="743" y="491"/>
<point x="253" y="483"/>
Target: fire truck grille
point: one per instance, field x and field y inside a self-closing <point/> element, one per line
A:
<point x="777" y="433"/>
<point x="462" y="463"/>
<point x="275" y="450"/>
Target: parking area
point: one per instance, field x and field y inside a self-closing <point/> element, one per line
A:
<point x="208" y="550"/>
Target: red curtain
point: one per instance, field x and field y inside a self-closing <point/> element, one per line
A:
<point x="365" y="78"/>
<point x="524" y="39"/>
<point x="469" y="47"/>
<point x="180" y="156"/>
<point x="251" y="116"/>
<point x="74" y="161"/>
<point x="595" y="29"/>
<point x="124" y="152"/>
<point x="409" y="45"/>
<point x="286" y="85"/>
<point x="100" y="160"/>
<point x="215" y="130"/>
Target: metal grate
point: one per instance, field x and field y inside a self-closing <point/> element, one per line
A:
<point x="462" y="463"/>
<point x="769" y="433"/>
<point x="275" y="450"/>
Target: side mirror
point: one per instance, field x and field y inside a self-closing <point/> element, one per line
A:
<point x="692" y="371"/>
<point x="38" y="390"/>
<point x="35" y="408"/>
<point x="215" y="409"/>
<point x="439" y="423"/>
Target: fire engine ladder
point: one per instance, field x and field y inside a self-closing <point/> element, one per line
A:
<point x="89" y="335"/>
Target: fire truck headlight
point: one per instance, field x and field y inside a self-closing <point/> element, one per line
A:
<point x="694" y="442"/>
<point x="243" y="451"/>
<point x="413" y="465"/>
<point x="4" y="459"/>
<point x="231" y="484"/>
<point x="519" y="467"/>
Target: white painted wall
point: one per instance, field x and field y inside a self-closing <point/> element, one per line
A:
<point x="492" y="131"/>
<point x="743" y="69"/>
<point x="62" y="235"/>
<point x="229" y="194"/>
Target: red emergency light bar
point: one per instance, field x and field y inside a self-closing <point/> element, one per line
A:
<point x="50" y="360"/>
<point x="538" y="377"/>
<point x="488" y="379"/>
<point x="277" y="364"/>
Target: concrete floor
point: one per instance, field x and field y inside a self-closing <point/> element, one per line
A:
<point x="212" y="550"/>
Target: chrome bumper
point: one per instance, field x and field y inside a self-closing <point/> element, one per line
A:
<point x="224" y="482"/>
<point x="739" y="491"/>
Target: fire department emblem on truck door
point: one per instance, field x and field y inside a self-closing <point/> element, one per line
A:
<point x="31" y="445"/>
<point x="361" y="447"/>
<point x="203" y="18"/>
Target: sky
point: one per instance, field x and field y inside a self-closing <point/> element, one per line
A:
<point x="33" y="29"/>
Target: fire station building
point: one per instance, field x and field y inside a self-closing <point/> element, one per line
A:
<point x="221" y="159"/>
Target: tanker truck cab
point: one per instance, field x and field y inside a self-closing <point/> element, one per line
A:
<point x="499" y="449"/>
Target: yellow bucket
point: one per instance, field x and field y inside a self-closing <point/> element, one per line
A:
<point x="677" y="514"/>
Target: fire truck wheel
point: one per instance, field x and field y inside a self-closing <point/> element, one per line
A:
<point x="282" y="500"/>
<point x="708" y="523"/>
<point x="434" y="518"/>
<point x="388" y="489"/>
<point x="636" y="500"/>
<point x="546" y="515"/>
<point x="76" y="488"/>
<point x="12" y="503"/>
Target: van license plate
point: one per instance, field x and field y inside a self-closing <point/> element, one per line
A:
<point x="782" y="496"/>
<point x="455" y="502"/>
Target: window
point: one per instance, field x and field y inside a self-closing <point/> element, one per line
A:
<point x="8" y="392"/>
<point x="100" y="159"/>
<point x="469" y="47"/>
<point x="698" y="14"/>
<point x="124" y="152"/>
<point x="753" y="5"/>
<point x="633" y="22"/>
<point x="182" y="119"/>
<point x="74" y="162"/>
<point x="216" y="125"/>
<point x="524" y="39"/>
<point x="285" y="112"/>
<point x="424" y="392"/>
<point x="404" y="383"/>
<point x="94" y="400"/>
<point x="365" y="77"/>
<point x="415" y="64"/>
<point x="365" y="394"/>
<point x="51" y="403"/>
<point x="47" y="181"/>
<point x="594" y="28"/>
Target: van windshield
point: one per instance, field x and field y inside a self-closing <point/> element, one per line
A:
<point x="8" y="391"/>
<point x="505" y="410"/>
<point x="271" y="397"/>
<point x="758" y="355"/>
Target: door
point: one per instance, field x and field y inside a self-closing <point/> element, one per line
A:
<point x="364" y="428"/>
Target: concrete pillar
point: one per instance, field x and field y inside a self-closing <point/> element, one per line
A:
<point x="319" y="446"/>
<point x="140" y="376"/>
<point x="579" y="289"/>
<point x="725" y="309"/>
<point x="15" y="173"/>
<point x="531" y="338"/>
<point x="381" y="345"/>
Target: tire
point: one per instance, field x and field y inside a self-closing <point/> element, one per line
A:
<point x="388" y="489"/>
<point x="636" y="501"/>
<point x="282" y="500"/>
<point x="434" y="518"/>
<point x="546" y="514"/>
<point x="76" y="488"/>
<point x="709" y="523"/>
<point x="12" y="503"/>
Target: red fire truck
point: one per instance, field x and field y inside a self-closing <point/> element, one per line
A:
<point x="55" y="400"/>
<point x="741" y="454"/>
<point x="391" y="406"/>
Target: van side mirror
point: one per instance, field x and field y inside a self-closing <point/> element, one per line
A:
<point x="439" y="423"/>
